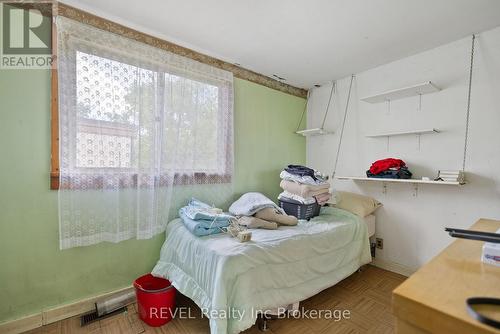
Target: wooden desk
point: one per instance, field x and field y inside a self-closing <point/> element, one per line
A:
<point x="433" y="299"/>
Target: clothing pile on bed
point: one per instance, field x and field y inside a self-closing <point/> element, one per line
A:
<point x="255" y="210"/>
<point x="252" y="210"/>
<point x="202" y="219"/>
<point x="389" y="168"/>
<point x="303" y="185"/>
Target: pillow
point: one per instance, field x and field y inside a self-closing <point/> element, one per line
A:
<point x="356" y="203"/>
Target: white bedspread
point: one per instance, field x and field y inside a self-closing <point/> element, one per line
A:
<point x="278" y="267"/>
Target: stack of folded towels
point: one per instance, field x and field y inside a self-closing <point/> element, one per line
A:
<point x="303" y="185"/>
<point x="202" y="219"/>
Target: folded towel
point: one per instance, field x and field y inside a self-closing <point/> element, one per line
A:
<point x="304" y="190"/>
<point x="306" y="179"/>
<point x="287" y="196"/>
<point x="201" y="227"/>
<point x="197" y="210"/>
<point x="250" y="203"/>
<point x="323" y="198"/>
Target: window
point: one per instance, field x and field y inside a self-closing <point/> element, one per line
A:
<point x="106" y="122"/>
<point x="141" y="114"/>
<point x="131" y="124"/>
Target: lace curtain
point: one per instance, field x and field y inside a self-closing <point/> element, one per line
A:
<point x="137" y="127"/>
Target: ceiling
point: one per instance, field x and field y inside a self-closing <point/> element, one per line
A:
<point x="305" y="42"/>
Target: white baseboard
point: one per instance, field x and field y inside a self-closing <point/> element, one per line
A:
<point x="53" y="314"/>
<point x="393" y="266"/>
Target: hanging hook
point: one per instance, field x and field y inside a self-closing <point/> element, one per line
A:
<point x="415" y="190"/>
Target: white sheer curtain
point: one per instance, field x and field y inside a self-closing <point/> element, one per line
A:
<point x="135" y="123"/>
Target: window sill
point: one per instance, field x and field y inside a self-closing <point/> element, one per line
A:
<point x="98" y="182"/>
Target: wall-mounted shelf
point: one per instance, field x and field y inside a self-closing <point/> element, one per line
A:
<point x="420" y="89"/>
<point x="412" y="181"/>
<point x="313" y="132"/>
<point x="402" y="133"/>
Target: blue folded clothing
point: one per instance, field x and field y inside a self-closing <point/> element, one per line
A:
<point x="196" y="210"/>
<point x="396" y="173"/>
<point x="200" y="218"/>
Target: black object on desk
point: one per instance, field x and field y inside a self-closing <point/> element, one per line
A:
<point x="471" y="302"/>
<point x="473" y="235"/>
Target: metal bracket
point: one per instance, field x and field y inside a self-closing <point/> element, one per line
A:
<point x="384" y="188"/>
<point x="262" y="323"/>
<point x="415" y="190"/>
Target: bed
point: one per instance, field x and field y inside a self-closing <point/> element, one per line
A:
<point x="232" y="281"/>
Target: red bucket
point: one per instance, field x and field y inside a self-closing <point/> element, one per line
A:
<point x="155" y="300"/>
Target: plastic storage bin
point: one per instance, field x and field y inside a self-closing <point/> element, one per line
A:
<point x="155" y="300"/>
<point x="301" y="211"/>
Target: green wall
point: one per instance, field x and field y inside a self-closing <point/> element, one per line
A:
<point x="34" y="273"/>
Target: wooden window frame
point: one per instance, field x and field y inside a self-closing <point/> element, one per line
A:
<point x="54" y="115"/>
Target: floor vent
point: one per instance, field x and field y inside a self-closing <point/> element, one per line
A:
<point x="91" y="317"/>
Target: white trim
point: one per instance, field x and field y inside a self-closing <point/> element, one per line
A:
<point x="53" y="314"/>
<point x="393" y="266"/>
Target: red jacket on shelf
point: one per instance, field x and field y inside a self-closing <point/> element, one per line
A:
<point x="382" y="165"/>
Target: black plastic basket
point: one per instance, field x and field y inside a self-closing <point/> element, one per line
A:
<point x="301" y="211"/>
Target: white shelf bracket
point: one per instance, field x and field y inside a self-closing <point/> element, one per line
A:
<point x="384" y="188"/>
<point x="418" y="141"/>
<point x="415" y="190"/>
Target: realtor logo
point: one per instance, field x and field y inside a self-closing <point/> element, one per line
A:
<point x="26" y="35"/>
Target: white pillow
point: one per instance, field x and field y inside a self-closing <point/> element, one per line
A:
<point x="358" y="204"/>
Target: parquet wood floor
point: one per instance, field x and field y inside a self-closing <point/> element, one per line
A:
<point x="366" y="294"/>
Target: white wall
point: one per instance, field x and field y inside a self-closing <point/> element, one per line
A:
<point x="412" y="227"/>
